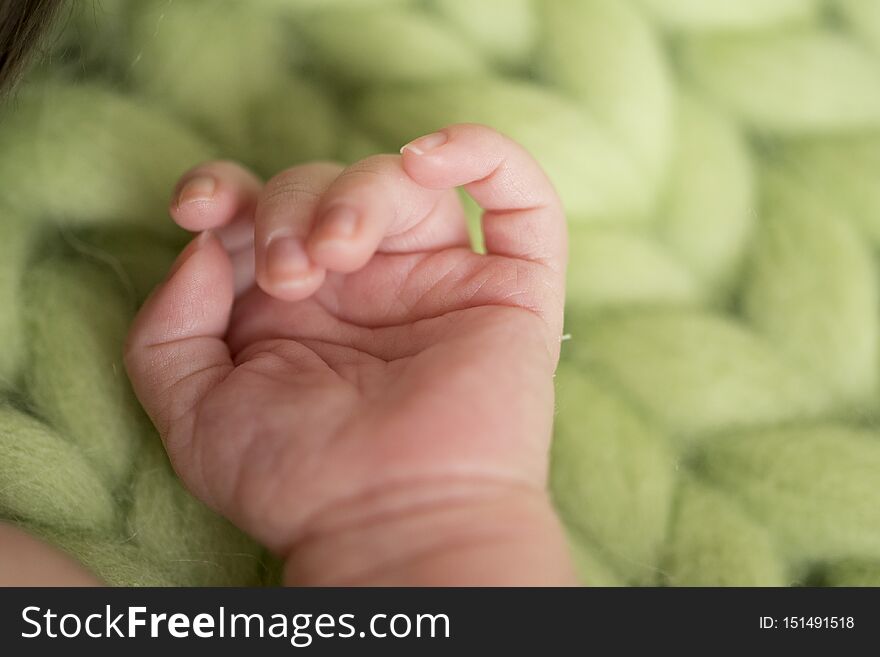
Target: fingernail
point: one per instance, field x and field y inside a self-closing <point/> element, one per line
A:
<point x="338" y="223"/>
<point x="196" y="244"/>
<point x="200" y="188"/>
<point x="427" y="143"/>
<point x="286" y="258"/>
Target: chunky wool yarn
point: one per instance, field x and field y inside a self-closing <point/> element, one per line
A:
<point x="719" y="162"/>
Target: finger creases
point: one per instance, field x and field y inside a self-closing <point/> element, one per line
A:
<point x="374" y="205"/>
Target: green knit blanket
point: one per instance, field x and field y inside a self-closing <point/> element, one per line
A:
<point x="719" y="162"/>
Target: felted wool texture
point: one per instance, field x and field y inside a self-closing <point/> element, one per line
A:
<point x="719" y="162"/>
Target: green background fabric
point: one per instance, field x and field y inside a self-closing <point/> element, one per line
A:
<point x="720" y="167"/>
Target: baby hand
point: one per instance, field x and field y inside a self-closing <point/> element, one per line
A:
<point x="332" y="366"/>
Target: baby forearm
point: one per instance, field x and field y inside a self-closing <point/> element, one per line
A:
<point x="498" y="538"/>
<point x="27" y="561"/>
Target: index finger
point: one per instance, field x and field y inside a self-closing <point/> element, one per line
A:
<point x="523" y="216"/>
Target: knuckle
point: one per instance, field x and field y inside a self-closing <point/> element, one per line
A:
<point x="376" y="166"/>
<point x="302" y="176"/>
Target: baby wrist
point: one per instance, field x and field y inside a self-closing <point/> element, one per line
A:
<point x="464" y="535"/>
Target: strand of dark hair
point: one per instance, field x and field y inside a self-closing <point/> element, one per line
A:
<point x="22" y="25"/>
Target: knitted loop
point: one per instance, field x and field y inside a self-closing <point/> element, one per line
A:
<point x="720" y="167"/>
